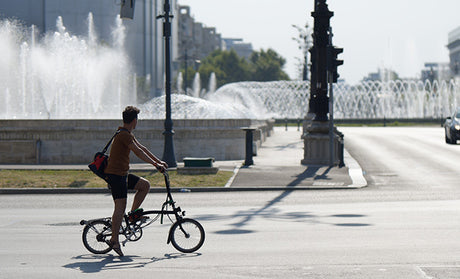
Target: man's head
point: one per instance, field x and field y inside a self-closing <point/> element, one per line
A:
<point x="129" y="114"/>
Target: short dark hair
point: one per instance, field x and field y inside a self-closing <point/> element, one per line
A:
<point x="130" y="113"/>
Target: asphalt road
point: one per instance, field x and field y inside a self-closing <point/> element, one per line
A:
<point x="405" y="224"/>
<point x="410" y="159"/>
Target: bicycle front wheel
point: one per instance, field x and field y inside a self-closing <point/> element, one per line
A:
<point x="94" y="236"/>
<point x="187" y="235"/>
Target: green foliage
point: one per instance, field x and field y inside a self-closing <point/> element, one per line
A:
<point x="267" y="66"/>
<point x="229" y="67"/>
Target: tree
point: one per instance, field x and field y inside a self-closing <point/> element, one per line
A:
<point x="267" y="66"/>
<point x="229" y="67"/>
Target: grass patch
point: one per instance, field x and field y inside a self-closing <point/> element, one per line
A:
<point x="86" y="179"/>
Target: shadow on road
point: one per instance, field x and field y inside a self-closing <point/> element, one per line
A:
<point x="266" y="211"/>
<point x="310" y="172"/>
<point x="270" y="212"/>
<point x="96" y="263"/>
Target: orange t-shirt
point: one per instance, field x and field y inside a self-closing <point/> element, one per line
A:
<point x="118" y="162"/>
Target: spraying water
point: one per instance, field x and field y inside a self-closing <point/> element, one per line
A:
<point x="62" y="76"/>
<point x="289" y="99"/>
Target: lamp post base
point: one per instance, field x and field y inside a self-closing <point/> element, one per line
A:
<point x="168" y="152"/>
<point x="316" y="145"/>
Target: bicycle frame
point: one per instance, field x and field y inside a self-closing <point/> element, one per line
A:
<point x="177" y="211"/>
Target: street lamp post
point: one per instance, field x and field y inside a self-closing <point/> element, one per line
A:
<point x="168" y="151"/>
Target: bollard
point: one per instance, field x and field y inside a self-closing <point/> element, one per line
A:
<point x="249" y="152"/>
<point x="341" y="151"/>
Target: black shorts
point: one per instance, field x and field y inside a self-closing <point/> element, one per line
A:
<point x="119" y="185"/>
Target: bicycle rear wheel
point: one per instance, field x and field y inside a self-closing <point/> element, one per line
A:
<point x="187" y="235"/>
<point x="94" y="236"/>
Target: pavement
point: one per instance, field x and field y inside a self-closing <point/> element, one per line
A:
<point x="276" y="167"/>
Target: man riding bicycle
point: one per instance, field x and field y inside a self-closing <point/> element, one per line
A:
<point x="117" y="173"/>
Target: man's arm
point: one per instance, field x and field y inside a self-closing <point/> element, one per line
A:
<point x="143" y="154"/>
<point x="150" y="154"/>
<point x="146" y="151"/>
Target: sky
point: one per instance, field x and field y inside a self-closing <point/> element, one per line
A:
<point x="400" y="35"/>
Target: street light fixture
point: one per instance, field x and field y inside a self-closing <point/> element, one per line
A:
<point x="127" y="9"/>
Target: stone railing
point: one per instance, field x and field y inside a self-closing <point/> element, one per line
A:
<point x="76" y="141"/>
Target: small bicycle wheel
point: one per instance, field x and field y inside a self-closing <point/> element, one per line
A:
<point x="94" y="236"/>
<point x="187" y="235"/>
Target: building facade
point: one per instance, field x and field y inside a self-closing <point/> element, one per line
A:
<point x="454" y="51"/>
<point x="241" y="48"/>
<point x="195" y="41"/>
<point x="436" y="71"/>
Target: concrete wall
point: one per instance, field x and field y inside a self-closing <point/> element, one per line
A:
<point x="76" y="141"/>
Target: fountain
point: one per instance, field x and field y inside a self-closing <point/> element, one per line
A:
<point x="196" y="86"/>
<point x="61" y="97"/>
<point x="366" y="100"/>
<point x="55" y="91"/>
<point x="396" y="99"/>
<point x="179" y="83"/>
<point x="187" y="107"/>
<point x="289" y="99"/>
<point x="212" y="83"/>
<point x="62" y="76"/>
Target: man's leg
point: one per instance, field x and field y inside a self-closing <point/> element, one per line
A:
<point x="142" y="188"/>
<point x="117" y="218"/>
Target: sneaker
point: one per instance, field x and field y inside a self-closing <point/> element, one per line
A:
<point x="135" y="215"/>
<point x="116" y="247"/>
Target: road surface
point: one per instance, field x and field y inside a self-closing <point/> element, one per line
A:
<point x="404" y="225"/>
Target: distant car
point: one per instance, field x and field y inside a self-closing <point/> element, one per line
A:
<point x="452" y="127"/>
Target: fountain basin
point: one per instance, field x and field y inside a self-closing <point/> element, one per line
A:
<point x="76" y="141"/>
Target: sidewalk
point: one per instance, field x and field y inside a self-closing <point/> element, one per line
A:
<point x="276" y="167"/>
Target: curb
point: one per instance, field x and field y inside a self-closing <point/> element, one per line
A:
<point x="66" y="191"/>
<point x="354" y="171"/>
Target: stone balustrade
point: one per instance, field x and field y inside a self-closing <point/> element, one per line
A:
<point x="76" y="141"/>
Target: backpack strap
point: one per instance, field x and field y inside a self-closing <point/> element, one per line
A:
<point x="110" y="141"/>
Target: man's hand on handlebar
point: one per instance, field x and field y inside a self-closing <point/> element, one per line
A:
<point x="162" y="166"/>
